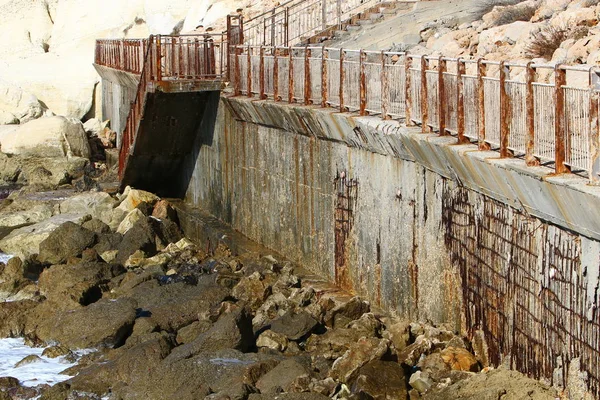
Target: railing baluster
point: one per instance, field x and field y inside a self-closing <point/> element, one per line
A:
<point x="481" y="71"/>
<point x="442" y="100"/>
<point x="261" y="73"/>
<point x="291" y="76"/>
<point x="342" y="80"/>
<point x="594" y="144"/>
<point x="276" y="74"/>
<point x="158" y="58"/>
<point x="460" y="101"/>
<point x="324" y="77"/>
<point x="424" y="102"/>
<point x="384" y="88"/>
<point x="307" y="83"/>
<point x="249" y="73"/>
<point x="505" y="114"/>
<point x="408" y="97"/>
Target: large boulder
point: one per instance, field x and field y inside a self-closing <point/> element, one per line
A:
<point x="106" y="323"/>
<point x="281" y="377"/>
<point x="24" y="242"/>
<point x="37" y="213"/>
<point x="47" y="137"/>
<point x="66" y="241"/>
<point x="13" y="316"/>
<point x="22" y="106"/>
<point x="99" y="205"/>
<point x="381" y="380"/>
<point x="346" y="368"/>
<point x="141" y="236"/>
<point x="43" y="172"/>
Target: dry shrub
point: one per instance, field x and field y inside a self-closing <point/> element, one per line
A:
<point x="512" y="14"/>
<point x="485" y="6"/>
<point x="545" y="42"/>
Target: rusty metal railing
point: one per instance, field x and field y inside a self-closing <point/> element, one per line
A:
<point x="289" y="23"/>
<point x="498" y="105"/>
<point x="162" y="59"/>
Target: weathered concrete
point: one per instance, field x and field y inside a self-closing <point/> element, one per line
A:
<point x="418" y="225"/>
<point x="119" y="89"/>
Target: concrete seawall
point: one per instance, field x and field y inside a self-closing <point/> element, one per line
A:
<point x="421" y="227"/>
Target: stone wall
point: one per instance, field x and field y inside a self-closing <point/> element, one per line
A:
<point x="420" y="226"/>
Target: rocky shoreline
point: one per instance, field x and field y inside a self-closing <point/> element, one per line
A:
<point x="167" y="319"/>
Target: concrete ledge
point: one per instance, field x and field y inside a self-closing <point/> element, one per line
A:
<point x="566" y="200"/>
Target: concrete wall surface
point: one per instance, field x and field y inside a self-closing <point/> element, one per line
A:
<point x="422" y="227"/>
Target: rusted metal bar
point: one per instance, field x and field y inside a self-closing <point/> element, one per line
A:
<point x="158" y="58"/>
<point x="291" y="76"/>
<point x="560" y="150"/>
<point x="363" y="84"/>
<point x="341" y="79"/>
<point x="324" y="77"/>
<point x="408" y="98"/>
<point x="594" y="144"/>
<point x="442" y="101"/>
<point x="249" y="73"/>
<point x="384" y="88"/>
<point x="505" y="114"/>
<point x="460" y="100"/>
<point x="276" y="74"/>
<point x="307" y="83"/>
<point x="530" y="159"/>
<point x="481" y="71"/>
<point x="261" y="73"/>
<point x="122" y="54"/>
<point x="196" y="53"/>
<point x="238" y="75"/>
<point x="424" y="103"/>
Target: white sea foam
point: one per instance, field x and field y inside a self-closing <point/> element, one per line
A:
<point x="5" y="257"/>
<point x="46" y="371"/>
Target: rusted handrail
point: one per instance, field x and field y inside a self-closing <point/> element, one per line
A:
<point x="498" y="105"/>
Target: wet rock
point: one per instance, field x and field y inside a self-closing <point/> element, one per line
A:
<point x="56" y="351"/>
<point x="68" y="240"/>
<point x="8" y="382"/>
<point x="420" y="381"/>
<point x="459" y="359"/>
<point x="105" y="323"/>
<point x="281" y="377"/>
<point x="97" y="226"/>
<point x="13" y="317"/>
<point x="333" y="343"/>
<point x="381" y="380"/>
<point x="134" y="364"/>
<point x="77" y="284"/>
<point x="30" y="359"/>
<point x="140" y="237"/>
<point x="272" y="340"/>
<point x="295" y="325"/>
<point x="346" y="368"/>
<point x="252" y="290"/>
<point x="345" y="312"/>
<point x="24" y="242"/>
<point x="231" y="331"/>
<point x="178" y="305"/>
<point x="189" y="333"/>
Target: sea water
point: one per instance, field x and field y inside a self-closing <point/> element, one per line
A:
<point x="45" y="371"/>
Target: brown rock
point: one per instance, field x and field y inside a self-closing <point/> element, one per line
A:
<point x="253" y="290"/>
<point x="346" y="368"/>
<point x="381" y="380"/>
<point x="164" y="210"/>
<point x="459" y="359"/>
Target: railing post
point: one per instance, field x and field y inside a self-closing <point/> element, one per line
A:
<point x="261" y="72"/>
<point x="481" y="70"/>
<point x="341" y="79"/>
<point x="384" y="88"/>
<point x="287" y="26"/>
<point x="442" y="101"/>
<point x="530" y="159"/>
<point x="122" y="62"/>
<point x="307" y="83"/>
<point x="291" y="76"/>
<point x="158" y="58"/>
<point x="505" y="114"/>
<point x="561" y="149"/>
<point x="363" y="84"/>
<point x="460" y="101"/>
<point x="424" y="100"/>
<point x="249" y="72"/>
<point x="408" y="98"/>
<point x="276" y="74"/>
<point x="324" y="77"/>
